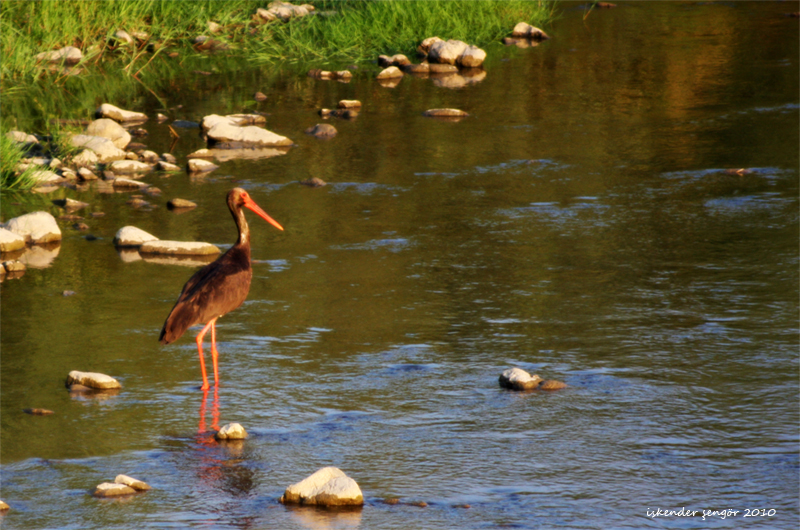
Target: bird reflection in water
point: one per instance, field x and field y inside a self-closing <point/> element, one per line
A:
<point x="201" y="428"/>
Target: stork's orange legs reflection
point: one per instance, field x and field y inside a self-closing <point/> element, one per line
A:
<point x="201" y="428"/>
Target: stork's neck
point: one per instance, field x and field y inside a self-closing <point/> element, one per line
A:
<point x="244" y="229"/>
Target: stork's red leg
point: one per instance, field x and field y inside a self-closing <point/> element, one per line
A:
<point x="214" y="352"/>
<point x="199" y="342"/>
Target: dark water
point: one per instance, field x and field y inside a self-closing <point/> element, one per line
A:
<point x="580" y="225"/>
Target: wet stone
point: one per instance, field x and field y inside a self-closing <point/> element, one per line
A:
<point x="552" y="384"/>
<point x="196" y="165"/>
<point x="70" y="204"/>
<point x="327" y="487"/>
<point x="231" y="431"/>
<point x="390" y="73"/>
<point x="9" y="241"/>
<point x="86" y="174"/>
<point x="519" y="379"/>
<point x="445" y="113"/>
<point x="130" y="236"/>
<point x="322" y="130"/>
<point x="36" y="227"/>
<point x="260" y="96"/>
<point x="112" y="489"/>
<point x="313" y="182"/>
<point x="131" y="482"/>
<point x="38" y="412"/>
<point x="92" y="380"/>
<point x="177" y="203"/>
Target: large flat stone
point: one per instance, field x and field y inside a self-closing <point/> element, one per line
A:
<point x="130" y="236"/>
<point x="92" y="380"/>
<point x="180" y="248"/>
<point x="36" y="227"/>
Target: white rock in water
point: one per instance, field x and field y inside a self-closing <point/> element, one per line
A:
<point x="129" y="166"/>
<point x="327" y="487"/>
<point x="237" y="120"/>
<point x="390" y="73"/>
<point x="131" y="482"/>
<point x="4" y="506"/>
<point x="445" y="113"/>
<point x="178" y="248"/>
<point x="198" y="165"/>
<point x="9" y="241"/>
<point x="115" y="113"/>
<point x="86" y="158"/>
<point x="446" y="52"/>
<point x="166" y="166"/>
<point x="231" y="431"/>
<point x="92" y="380"/>
<point x="68" y="54"/>
<point x="112" y="489"/>
<point x="130" y="236"/>
<point x="519" y="379"/>
<point x="107" y="128"/>
<point x="472" y="57"/>
<point x="523" y="29"/>
<point x="38" y="227"/>
<point x="122" y="182"/>
<point x="104" y="148"/>
<point x="246" y="136"/>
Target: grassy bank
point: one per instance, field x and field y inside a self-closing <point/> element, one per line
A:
<point x="352" y="30"/>
<point x="340" y="33"/>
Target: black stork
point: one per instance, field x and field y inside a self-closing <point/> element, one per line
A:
<point x="217" y="288"/>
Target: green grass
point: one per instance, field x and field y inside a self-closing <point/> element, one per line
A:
<point x="11" y="153"/>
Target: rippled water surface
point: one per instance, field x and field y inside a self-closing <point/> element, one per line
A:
<point x="580" y="224"/>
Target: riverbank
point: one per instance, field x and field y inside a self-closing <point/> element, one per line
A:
<point x="131" y="45"/>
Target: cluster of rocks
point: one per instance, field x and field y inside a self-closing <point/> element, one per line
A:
<point x="122" y="485"/>
<point x="346" y="108"/>
<point x="343" y="76"/>
<point x="283" y="11"/>
<point x="519" y="379"/>
<point x="23" y="238"/>
<point x="134" y="244"/>
<point x="442" y="57"/>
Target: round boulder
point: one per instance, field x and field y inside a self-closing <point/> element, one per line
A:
<point x="110" y="129"/>
<point x="519" y="379"/>
<point x="231" y="431"/>
<point x="327" y="487"/>
<point x="322" y="130"/>
<point x="38" y="227"/>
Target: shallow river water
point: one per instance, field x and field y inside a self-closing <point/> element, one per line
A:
<point x="580" y="224"/>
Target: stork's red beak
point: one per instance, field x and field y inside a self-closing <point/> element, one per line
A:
<point x="251" y="204"/>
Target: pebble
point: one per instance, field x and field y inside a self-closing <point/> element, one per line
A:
<point x="68" y="293"/>
<point x="112" y="489"/>
<point x="198" y="165"/>
<point x="445" y="113"/>
<point x="70" y="204"/>
<point x="260" y="96"/>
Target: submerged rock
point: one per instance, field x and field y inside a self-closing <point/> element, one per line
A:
<point x="70" y="204"/>
<point x="130" y="236"/>
<point x="519" y="379"/>
<point x="38" y="412"/>
<point x="322" y="130"/>
<point x="313" y="182"/>
<point x="92" y="380"/>
<point x="445" y="113"/>
<point x="4" y="507"/>
<point x="349" y="104"/>
<point x="327" y="487"/>
<point x="231" y="431"/>
<point x="107" y="110"/>
<point x="552" y="384"/>
<point x="36" y="227"/>
<point x="178" y="248"/>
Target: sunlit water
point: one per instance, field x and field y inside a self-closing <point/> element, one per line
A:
<point x="580" y="224"/>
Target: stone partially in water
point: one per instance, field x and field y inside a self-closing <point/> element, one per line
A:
<point x="178" y="248"/>
<point x="167" y="166"/>
<point x="130" y="236"/>
<point x="472" y="57"/>
<point x="112" y="489"/>
<point x="107" y="128"/>
<point x="198" y="165"/>
<point x="349" y="104"/>
<point x="519" y="379"/>
<point x="70" y="204"/>
<point x="131" y="482"/>
<point x="525" y="30"/>
<point x="322" y="130"/>
<point x="177" y="203"/>
<point x="13" y="266"/>
<point x="313" y="182"/>
<point x="445" y="113"/>
<point x="552" y="384"/>
<point x="425" y="45"/>
<point x="446" y="51"/>
<point x="9" y="241"/>
<point x="124" y="183"/>
<point x="231" y="431"/>
<point x="327" y="487"/>
<point x="390" y="73"/>
<point x="104" y="148"/>
<point x="123" y="167"/>
<point x="4" y="507"/>
<point x="92" y="380"/>
<point x="36" y="227"/>
<point x="107" y="110"/>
